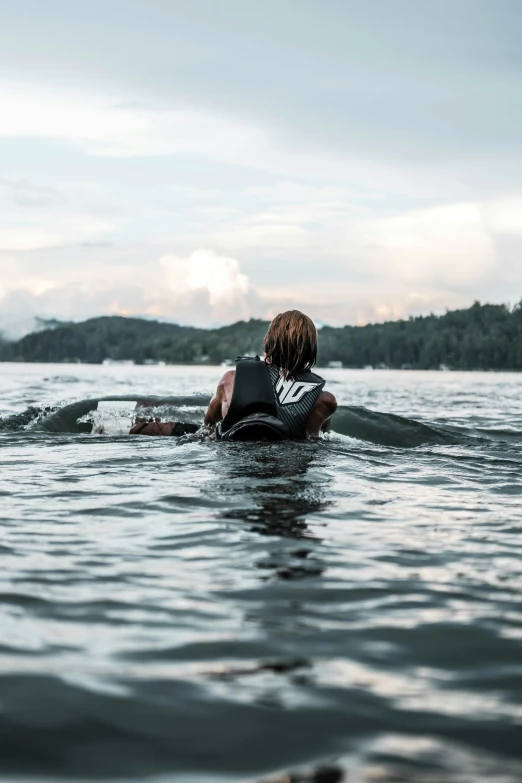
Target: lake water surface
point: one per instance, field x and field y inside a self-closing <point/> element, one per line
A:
<point x="185" y="610"/>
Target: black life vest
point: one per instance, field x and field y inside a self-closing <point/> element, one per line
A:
<point x="295" y="398"/>
<point x="265" y="406"/>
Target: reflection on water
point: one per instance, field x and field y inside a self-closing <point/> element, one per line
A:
<point x="278" y="494"/>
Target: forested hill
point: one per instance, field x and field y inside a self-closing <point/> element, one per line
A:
<point x="481" y="337"/>
<point x="116" y="337"/>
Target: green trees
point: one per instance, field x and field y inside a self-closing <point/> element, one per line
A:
<point x="5" y="350"/>
<point x="115" y="337"/>
<point x="483" y="336"/>
<point x="480" y="337"/>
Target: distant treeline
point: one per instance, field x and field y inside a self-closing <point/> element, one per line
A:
<point x="480" y="337"/>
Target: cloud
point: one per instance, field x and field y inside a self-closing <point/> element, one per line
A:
<point x="450" y="244"/>
<point x="102" y="123"/>
<point x="204" y="270"/>
<point x="504" y="215"/>
<point x="200" y="194"/>
<point x="25" y="194"/>
<point x="403" y="81"/>
<point x="26" y="235"/>
<point x="204" y="288"/>
<point x="288" y="221"/>
<point x="36" y="216"/>
<point x="345" y="266"/>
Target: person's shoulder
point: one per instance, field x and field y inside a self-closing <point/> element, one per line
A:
<point x="328" y="400"/>
<point x="228" y="378"/>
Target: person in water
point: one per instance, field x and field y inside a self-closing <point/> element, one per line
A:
<point x="273" y="399"/>
<point x="290" y="348"/>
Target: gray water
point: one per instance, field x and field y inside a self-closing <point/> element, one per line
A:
<point x="185" y="610"/>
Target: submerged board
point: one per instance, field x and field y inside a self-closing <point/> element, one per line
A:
<point x="115" y="415"/>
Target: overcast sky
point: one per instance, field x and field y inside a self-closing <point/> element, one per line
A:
<point x="208" y="160"/>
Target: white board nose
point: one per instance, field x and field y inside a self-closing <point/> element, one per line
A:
<point x="113" y="417"/>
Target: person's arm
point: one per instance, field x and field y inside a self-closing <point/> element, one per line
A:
<point x="215" y="409"/>
<point x="322" y="411"/>
<point x="212" y="416"/>
<point x="158" y="427"/>
<point x="148" y="427"/>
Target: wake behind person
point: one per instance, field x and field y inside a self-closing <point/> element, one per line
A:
<point x="280" y="397"/>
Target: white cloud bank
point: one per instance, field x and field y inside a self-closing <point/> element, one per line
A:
<point x="203" y="288"/>
<point x="313" y="249"/>
<point x="110" y="124"/>
<point x="219" y="276"/>
<point x="450" y="244"/>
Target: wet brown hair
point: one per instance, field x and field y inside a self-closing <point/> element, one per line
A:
<point x="291" y="342"/>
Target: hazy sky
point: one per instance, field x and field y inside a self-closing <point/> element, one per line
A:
<point x="206" y="160"/>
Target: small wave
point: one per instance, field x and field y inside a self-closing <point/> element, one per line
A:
<point x="61" y="379"/>
<point x="388" y="429"/>
<point x="355" y="422"/>
<point x="20" y="421"/>
<point x="499" y="434"/>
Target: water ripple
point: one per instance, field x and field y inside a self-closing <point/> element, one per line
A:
<point x="193" y="611"/>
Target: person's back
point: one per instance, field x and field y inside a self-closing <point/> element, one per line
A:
<point x="290" y="348"/>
